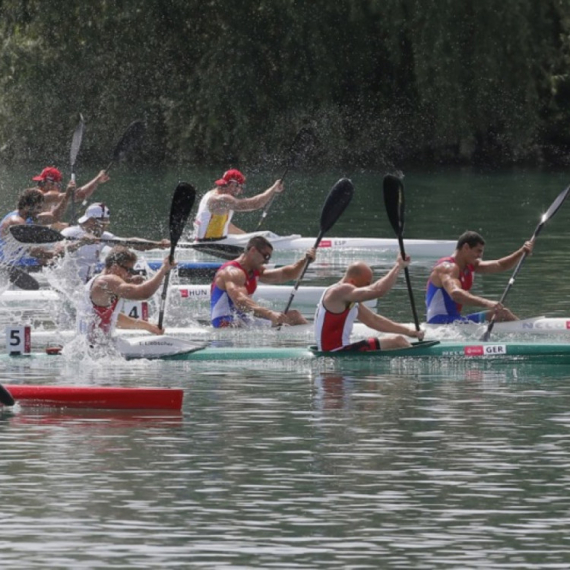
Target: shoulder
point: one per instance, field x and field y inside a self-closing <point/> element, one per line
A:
<point x="340" y="291"/>
<point x="72" y="231"/>
<point x="446" y="268"/>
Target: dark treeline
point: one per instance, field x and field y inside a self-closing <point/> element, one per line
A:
<point x="381" y="82"/>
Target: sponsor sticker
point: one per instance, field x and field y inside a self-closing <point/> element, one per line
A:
<point x="326" y="243"/>
<point x="485" y="350"/>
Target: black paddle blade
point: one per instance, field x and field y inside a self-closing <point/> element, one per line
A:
<point x="336" y="203"/>
<point x="130" y="137"/>
<point x="5" y="397"/>
<point x="394" y="202"/>
<point x="31" y="233"/>
<point x="182" y="203"/>
<point x="21" y="279"/>
<point x="76" y="141"/>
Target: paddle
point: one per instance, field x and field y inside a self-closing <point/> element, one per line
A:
<point x="336" y="203"/>
<point x="5" y="397"/>
<point x="21" y="279"/>
<point x="131" y="136"/>
<point x="395" y="206"/>
<point x="74" y="151"/>
<point x="545" y="217"/>
<point x="301" y="141"/>
<point x="31" y="233"/>
<point x="180" y="209"/>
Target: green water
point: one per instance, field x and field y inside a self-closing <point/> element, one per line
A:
<point x="281" y="465"/>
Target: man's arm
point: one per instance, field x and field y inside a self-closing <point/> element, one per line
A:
<point x="289" y="272"/>
<point x="233" y="281"/>
<point x="221" y="203"/>
<point x="382" y="324"/>
<point x="126" y="322"/>
<point x="56" y="213"/>
<point x="87" y="190"/>
<point x="505" y="263"/>
<point x="453" y="287"/>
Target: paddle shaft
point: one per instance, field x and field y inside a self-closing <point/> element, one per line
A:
<point x="409" y="284"/>
<point x="289" y="164"/>
<point x="180" y="208"/>
<point x="299" y="279"/>
<point x="164" y="293"/>
<point x="75" y="146"/>
<point x="554" y="207"/>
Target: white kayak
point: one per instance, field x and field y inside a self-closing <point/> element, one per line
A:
<point x="414" y="247"/>
<point x="179" y="339"/>
<point x="188" y="294"/>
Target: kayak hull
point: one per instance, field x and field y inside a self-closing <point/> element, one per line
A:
<point x="435" y="351"/>
<point x="97" y="397"/>
<point x="414" y="247"/>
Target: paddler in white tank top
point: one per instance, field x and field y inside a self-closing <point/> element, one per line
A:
<point x="342" y="303"/>
<point x="214" y="217"/>
<point x="104" y="294"/>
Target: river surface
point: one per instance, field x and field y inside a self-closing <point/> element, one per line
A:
<point x="292" y="465"/>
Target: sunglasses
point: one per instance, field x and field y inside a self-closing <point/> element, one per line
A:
<point x="266" y="256"/>
<point x="129" y="270"/>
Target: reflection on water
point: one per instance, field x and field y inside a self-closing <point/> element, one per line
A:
<point x="294" y="468"/>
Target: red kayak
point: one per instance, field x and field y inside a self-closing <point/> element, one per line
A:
<point x="97" y="397"/>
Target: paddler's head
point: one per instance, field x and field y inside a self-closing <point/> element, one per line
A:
<point x="258" y="252"/>
<point x="48" y="179"/>
<point x="96" y="219"/>
<point x="470" y="247"/>
<point x="30" y="203"/>
<point x="232" y="182"/>
<point x="359" y="274"/>
<point x="121" y="261"/>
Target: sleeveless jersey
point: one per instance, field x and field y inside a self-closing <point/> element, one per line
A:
<point x="208" y="225"/>
<point x="15" y="254"/>
<point x="333" y="330"/>
<point x="440" y="307"/>
<point x="96" y="321"/>
<point x="223" y="312"/>
<point x="88" y="256"/>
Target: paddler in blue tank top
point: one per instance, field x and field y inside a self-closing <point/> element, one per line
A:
<point x="231" y="304"/>
<point x="452" y="278"/>
<point x="29" y="211"/>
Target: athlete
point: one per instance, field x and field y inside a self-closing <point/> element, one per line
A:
<point x="217" y="207"/>
<point x="104" y="295"/>
<point x="30" y="210"/>
<point x="452" y="278"/>
<point x="94" y="224"/>
<point x="49" y="183"/>
<point x="342" y="303"/>
<point x="235" y="281"/>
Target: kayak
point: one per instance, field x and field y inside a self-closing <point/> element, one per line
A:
<point x="433" y="351"/>
<point x="549" y="326"/>
<point x="438" y="350"/>
<point x="97" y="397"/>
<point x="188" y="293"/>
<point x="414" y="247"/>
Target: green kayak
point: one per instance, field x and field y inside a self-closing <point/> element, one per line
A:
<point x="453" y="351"/>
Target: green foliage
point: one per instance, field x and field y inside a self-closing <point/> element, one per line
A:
<point x="227" y="81"/>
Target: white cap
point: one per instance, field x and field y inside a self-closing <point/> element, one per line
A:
<point x="96" y="210"/>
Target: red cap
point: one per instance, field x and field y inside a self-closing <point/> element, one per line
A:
<point x="49" y="172"/>
<point x="231" y="176"/>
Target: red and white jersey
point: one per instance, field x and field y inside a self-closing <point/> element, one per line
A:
<point x="333" y="330"/>
<point x="94" y="320"/>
